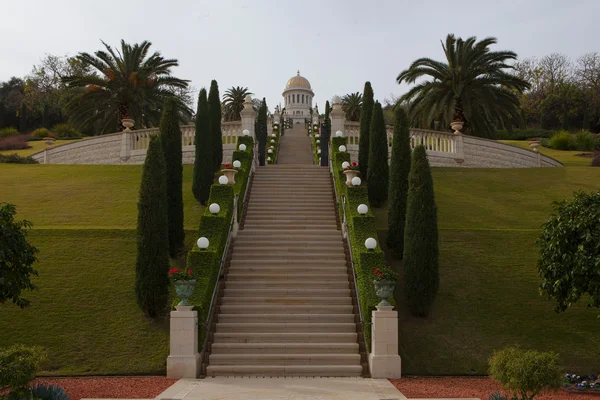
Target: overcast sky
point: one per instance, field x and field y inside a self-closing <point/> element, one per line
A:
<point x="336" y="45"/>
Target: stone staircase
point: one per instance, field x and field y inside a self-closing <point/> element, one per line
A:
<point x="288" y="306"/>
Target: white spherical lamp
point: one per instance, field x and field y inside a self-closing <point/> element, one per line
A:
<point x="246" y="132"/>
<point x="318" y="141"/>
<point x="242" y="147"/>
<point x="203" y="243"/>
<point x="342" y="148"/>
<point x="272" y="140"/>
<point x="223" y="180"/>
<point x="362" y="209"/>
<point x="319" y="151"/>
<point x="356" y="181"/>
<point x="317" y="136"/>
<point x="345" y="164"/>
<point x="214" y="208"/>
<point x="268" y="158"/>
<point x="270" y="151"/>
<point x="237" y="164"/>
<point x="370" y="244"/>
<point x="339" y="134"/>
<point x="273" y="135"/>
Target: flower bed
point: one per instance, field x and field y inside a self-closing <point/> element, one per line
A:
<point x="581" y="383"/>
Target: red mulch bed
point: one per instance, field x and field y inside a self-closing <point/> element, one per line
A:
<point x="146" y="387"/>
<point x="475" y="387"/>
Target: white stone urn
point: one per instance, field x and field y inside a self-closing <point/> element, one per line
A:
<point x="350" y="174"/>
<point x="128" y="123"/>
<point x="49" y="141"/>
<point x="534" y="144"/>
<point x="230" y="174"/>
<point x="456" y="126"/>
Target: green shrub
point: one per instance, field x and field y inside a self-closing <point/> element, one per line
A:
<point x="152" y="262"/>
<point x="18" y="366"/>
<point x="421" y="251"/>
<point x="586" y="141"/>
<point x="524" y="134"/>
<point x="65" y="131"/>
<point x="203" y="158"/>
<point x="596" y="159"/>
<point x="41" y="133"/>
<point x="525" y="373"/>
<point x="562" y="140"/>
<point x="6" y="132"/>
<point x="569" y="251"/>
<point x="43" y="391"/>
<point x="378" y="172"/>
<point x="366" y="114"/>
<point x="16" y="159"/>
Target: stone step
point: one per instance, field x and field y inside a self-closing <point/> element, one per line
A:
<point x="286" y="318"/>
<point x="290" y="233"/>
<point x="280" y="196"/>
<point x="284" y="348"/>
<point x="290" y="309"/>
<point x="287" y="276"/>
<point x="289" y="224"/>
<point x="286" y="337"/>
<point x="285" y="218"/>
<point x="283" y="292"/>
<point x="274" y="241"/>
<point x="286" y="300"/>
<point x="291" y="209"/>
<point x="289" y="263"/>
<point x="285" y="359"/>
<point x="336" y="250"/>
<point x="285" y="370"/>
<point x="291" y="327"/>
<point x="303" y="270"/>
<point x="262" y="211"/>
<point x="304" y="255"/>
<point x="274" y="284"/>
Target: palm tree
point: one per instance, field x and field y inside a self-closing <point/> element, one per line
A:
<point x="472" y="85"/>
<point x="351" y="104"/>
<point x="233" y="102"/>
<point x="124" y="83"/>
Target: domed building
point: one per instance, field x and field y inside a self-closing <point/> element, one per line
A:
<point x="297" y="98"/>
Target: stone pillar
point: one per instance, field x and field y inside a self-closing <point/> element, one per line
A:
<point x="126" y="139"/>
<point x="384" y="360"/>
<point x="338" y="117"/>
<point x="248" y="116"/>
<point x="184" y="360"/>
<point x="315" y="118"/>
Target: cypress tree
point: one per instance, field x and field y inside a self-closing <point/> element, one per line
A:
<point x="398" y="189"/>
<point x="23" y="118"/>
<point x="421" y="269"/>
<point x="378" y="169"/>
<point x="260" y="130"/>
<point x="152" y="262"/>
<point x="170" y="135"/>
<point x="366" y="113"/>
<point x="203" y="160"/>
<point x="214" y="110"/>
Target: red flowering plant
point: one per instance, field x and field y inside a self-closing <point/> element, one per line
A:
<point x="533" y="140"/>
<point x="176" y="274"/>
<point x="352" y="167"/>
<point x="385" y="274"/>
<point x="227" y="166"/>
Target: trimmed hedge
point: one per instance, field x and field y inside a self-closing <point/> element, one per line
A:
<point x="524" y="134"/>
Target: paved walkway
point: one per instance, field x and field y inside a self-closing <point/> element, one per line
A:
<point x="222" y="388"/>
<point x="295" y="147"/>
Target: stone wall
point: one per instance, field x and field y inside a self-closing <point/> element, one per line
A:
<point x="95" y="150"/>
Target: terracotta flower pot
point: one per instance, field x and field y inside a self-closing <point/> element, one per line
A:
<point x="384" y="290"/>
<point x="184" y="290"/>
<point x="230" y="174"/>
<point x="350" y="173"/>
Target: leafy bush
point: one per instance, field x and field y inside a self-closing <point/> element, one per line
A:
<point x="586" y="141"/>
<point x="40" y="133"/>
<point x="6" y="132"/>
<point x="525" y="373"/>
<point x="562" y="140"/>
<point x="524" y="134"/>
<point x="65" y="131"/>
<point x="43" y="391"/>
<point x="570" y="251"/>
<point x="18" y="366"/>
<point x="14" y="142"/>
<point x="596" y="159"/>
<point x="16" y="159"/>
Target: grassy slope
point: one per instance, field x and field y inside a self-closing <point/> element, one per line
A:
<point x="85" y="312"/>
<point x="489" y="220"/>
<point x="36" y="145"/>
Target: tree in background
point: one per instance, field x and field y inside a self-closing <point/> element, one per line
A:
<point x="366" y="113"/>
<point x="170" y="135"/>
<point x="351" y="105"/>
<point x="378" y="170"/>
<point x="570" y="252"/>
<point x="421" y="252"/>
<point x="398" y="188"/>
<point x="23" y="118"/>
<point x="473" y="85"/>
<point x="214" y="112"/>
<point x="124" y="83"/>
<point x="203" y="166"/>
<point x="11" y="98"/>
<point x="233" y="102"/>
<point x="17" y="257"/>
<point x="152" y="262"/>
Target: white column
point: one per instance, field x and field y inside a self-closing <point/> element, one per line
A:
<point x="248" y="116"/>
<point x="384" y="360"/>
<point x="184" y="360"/>
<point x="338" y="116"/>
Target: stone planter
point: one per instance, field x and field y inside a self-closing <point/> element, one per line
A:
<point x="49" y="141"/>
<point x="184" y="290"/>
<point x="230" y="174"/>
<point x="384" y="290"/>
<point x="456" y="126"/>
<point x="127" y="123"/>
<point x="349" y="175"/>
<point x="534" y="145"/>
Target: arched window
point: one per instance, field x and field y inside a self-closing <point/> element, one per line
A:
<point x="297" y="98"/>
<point x="302" y="99"/>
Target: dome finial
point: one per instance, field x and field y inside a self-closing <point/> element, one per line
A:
<point x="298" y="72"/>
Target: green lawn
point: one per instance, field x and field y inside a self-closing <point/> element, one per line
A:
<point x="84" y="312"/>
<point x="36" y="145"/>
<point x="568" y="158"/>
<point x="489" y="220"/>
